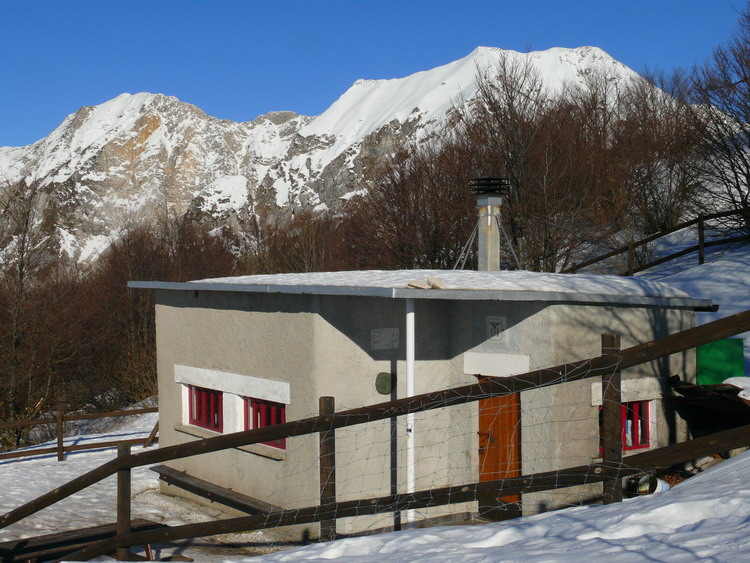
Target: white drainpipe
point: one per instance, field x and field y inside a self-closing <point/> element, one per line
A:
<point x="410" y="438"/>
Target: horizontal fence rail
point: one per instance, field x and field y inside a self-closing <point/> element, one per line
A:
<point x="60" y="449"/>
<point x="73" y="417"/>
<point x="630" y="248"/>
<point x="72" y="448"/>
<point x="584" y="369"/>
<point x="366" y="506"/>
<point x="582" y="475"/>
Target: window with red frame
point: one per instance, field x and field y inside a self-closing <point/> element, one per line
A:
<point x="635" y="425"/>
<point x="262" y="414"/>
<point x="206" y="408"/>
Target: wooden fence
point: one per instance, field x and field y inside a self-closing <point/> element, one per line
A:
<point x="630" y="249"/>
<point x="612" y="359"/>
<point x="59" y="422"/>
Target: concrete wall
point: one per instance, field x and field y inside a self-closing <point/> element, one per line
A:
<point x="240" y="334"/>
<point x="560" y="423"/>
<point x="336" y="345"/>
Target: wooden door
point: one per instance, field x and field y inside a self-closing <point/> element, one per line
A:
<point x="500" y="452"/>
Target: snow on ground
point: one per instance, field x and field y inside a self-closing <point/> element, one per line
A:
<point x="25" y="479"/>
<point x="706" y="518"/>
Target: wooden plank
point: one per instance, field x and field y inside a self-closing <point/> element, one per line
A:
<point x="112" y="414"/>
<point x="100" y="445"/>
<point x="685" y="340"/>
<point x="59" y="544"/>
<point x="72" y="448"/>
<point x="152" y="436"/>
<point x="582" y="475"/>
<point x="48" y="421"/>
<point x="60" y="436"/>
<point x="213" y="492"/>
<point x="668" y="456"/>
<point x="69" y="536"/>
<point x="661" y="458"/>
<point x="650" y="238"/>
<point x="34" y="422"/>
<point x="407" y="501"/>
<point x="686" y="251"/>
<point x="28" y="453"/>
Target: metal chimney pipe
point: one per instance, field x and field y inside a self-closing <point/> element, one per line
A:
<point x="489" y="194"/>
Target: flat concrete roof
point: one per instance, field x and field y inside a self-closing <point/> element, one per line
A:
<point x="459" y="285"/>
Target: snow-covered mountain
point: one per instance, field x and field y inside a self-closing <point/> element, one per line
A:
<point x="138" y="155"/>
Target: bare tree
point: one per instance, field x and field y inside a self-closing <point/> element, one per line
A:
<point x="418" y="213"/>
<point x="35" y="284"/>
<point x="123" y="369"/>
<point x="722" y="88"/>
<point x="656" y="142"/>
<point x="554" y="149"/>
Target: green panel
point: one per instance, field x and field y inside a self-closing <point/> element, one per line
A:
<point x="720" y="360"/>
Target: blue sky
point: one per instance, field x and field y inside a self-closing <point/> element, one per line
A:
<point x="239" y="59"/>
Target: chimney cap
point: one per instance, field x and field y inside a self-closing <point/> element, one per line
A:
<point x="489" y="185"/>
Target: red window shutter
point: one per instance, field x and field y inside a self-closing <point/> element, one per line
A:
<point x="262" y="414"/>
<point x="206" y="408"/>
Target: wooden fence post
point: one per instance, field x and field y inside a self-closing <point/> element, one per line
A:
<point x="701" y="239"/>
<point x="60" y="420"/>
<point x="152" y="436"/>
<point x="611" y="422"/>
<point x="631" y="258"/>
<point x="327" y="471"/>
<point x="123" y="503"/>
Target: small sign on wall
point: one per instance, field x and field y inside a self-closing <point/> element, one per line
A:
<point x="496" y="329"/>
<point x="384" y="338"/>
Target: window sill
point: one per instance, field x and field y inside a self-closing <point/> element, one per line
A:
<point x="197" y="431"/>
<point x="258" y="449"/>
<point x="265" y="451"/>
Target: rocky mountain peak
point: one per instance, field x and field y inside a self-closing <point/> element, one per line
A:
<point x="140" y="155"/>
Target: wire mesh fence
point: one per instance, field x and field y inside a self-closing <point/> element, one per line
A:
<point x="568" y="447"/>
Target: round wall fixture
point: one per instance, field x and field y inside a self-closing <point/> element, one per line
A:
<point x="384" y="383"/>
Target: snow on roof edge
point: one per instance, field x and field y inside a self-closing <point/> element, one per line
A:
<point x="459" y="285"/>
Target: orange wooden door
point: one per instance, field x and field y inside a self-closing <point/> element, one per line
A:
<point x="500" y="451"/>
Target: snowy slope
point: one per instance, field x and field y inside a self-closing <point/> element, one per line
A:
<point x="22" y="480"/>
<point x="429" y="95"/>
<point x="724" y="278"/>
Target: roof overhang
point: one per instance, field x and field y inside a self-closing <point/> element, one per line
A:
<point x="580" y="298"/>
